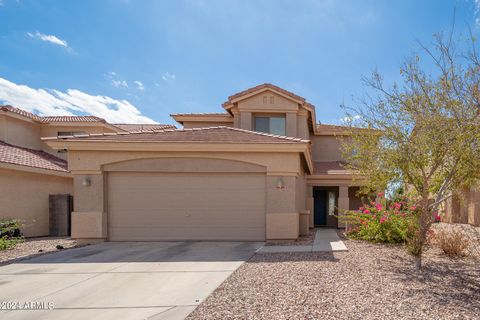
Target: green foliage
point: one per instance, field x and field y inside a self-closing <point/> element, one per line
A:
<point x="9" y="243"/>
<point x="383" y="221"/>
<point x="10" y="234"/>
<point x="423" y="133"/>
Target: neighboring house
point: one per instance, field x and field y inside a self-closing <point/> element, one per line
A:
<point x="464" y="207"/>
<point x="263" y="169"/>
<point x="30" y="170"/>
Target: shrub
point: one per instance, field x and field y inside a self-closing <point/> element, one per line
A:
<point x="10" y="228"/>
<point x="9" y="243"/>
<point x="382" y="221"/>
<point x="10" y="234"/>
<point x="452" y="243"/>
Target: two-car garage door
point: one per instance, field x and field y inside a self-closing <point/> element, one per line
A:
<point x="148" y="206"/>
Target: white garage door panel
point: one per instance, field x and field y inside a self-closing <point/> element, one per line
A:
<point x="154" y="206"/>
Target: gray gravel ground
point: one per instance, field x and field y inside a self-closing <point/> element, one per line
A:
<point x="471" y="233"/>
<point x="34" y="247"/>
<point x="367" y="282"/>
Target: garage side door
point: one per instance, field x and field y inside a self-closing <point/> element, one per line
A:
<point x="155" y="206"/>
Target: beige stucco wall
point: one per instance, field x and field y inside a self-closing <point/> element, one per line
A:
<point x="326" y="148"/>
<point x="24" y="195"/>
<point x="464" y="207"/>
<point x="262" y="104"/>
<point x="282" y="204"/>
<point x="19" y="132"/>
<point x="202" y="124"/>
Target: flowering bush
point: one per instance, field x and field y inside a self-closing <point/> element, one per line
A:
<point x="382" y="220"/>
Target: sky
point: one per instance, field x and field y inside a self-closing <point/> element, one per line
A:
<point x="140" y="61"/>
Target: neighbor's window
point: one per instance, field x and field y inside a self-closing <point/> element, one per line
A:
<point x="273" y="125"/>
<point x="69" y="133"/>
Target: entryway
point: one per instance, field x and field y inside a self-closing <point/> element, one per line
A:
<point x="325" y="202"/>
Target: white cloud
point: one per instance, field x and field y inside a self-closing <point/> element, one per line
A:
<point x="48" y="38"/>
<point x="350" y="119"/>
<point x="119" y="83"/>
<point x="139" y="85"/>
<point x="167" y="76"/>
<point x="112" y="73"/>
<point x="54" y="102"/>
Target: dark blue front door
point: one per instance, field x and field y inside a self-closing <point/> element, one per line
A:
<point x="320" y="207"/>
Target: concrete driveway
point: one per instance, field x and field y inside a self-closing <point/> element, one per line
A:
<point x="122" y="280"/>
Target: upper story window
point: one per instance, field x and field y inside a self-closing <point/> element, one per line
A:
<point x="273" y="125"/>
<point x="69" y="133"/>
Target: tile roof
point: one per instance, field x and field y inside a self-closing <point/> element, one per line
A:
<point x="49" y="119"/>
<point x="30" y="158"/>
<point x="21" y="112"/>
<point x="263" y="86"/>
<point x="329" y="167"/>
<point x="206" y="114"/>
<point x="219" y="134"/>
<point x="132" y="127"/>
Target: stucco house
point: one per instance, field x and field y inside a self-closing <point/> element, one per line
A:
<point x="30" y="170"/>
<point x="262" y="169"/>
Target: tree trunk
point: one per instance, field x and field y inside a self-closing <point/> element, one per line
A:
<point x="418" y="262"/>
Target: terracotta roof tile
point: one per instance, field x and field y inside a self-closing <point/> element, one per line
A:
<point x="219" y="134"/>
<point x="260" y="87"/>
<point x="206" y="114"/>
<point x="21" y="112"/>
<point x="30" y="158"/>
<point x="49" y="119"/>
<point x="140" y="127"/>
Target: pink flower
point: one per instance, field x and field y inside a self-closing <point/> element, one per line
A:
<point x="361" y="208"/>
<point x="366" y="211"/>
<point x="378" y="206"/>
<point x="437" y="218"/>
<point x="383" y="219"/>
<point x="413" y="208"/>
<point x="381" y="194"/>
<point x="397" y="205"/>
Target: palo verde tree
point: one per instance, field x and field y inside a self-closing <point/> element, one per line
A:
<point x="423" y="132"/>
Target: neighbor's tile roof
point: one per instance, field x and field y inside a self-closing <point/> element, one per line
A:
<point x="326" y="167"/>
<point x="263" y="86"/>
<point x="30" y="158"/>
<point x="21" y="113"/>
<point x="205" y="114"/>
<point x="131" y="127"/>
<point x="49" y="119"/>
<point x="219" y="134"/>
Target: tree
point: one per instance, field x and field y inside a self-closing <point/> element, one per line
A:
<point x="423" y="133"/>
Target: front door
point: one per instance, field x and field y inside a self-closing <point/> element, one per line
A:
<point x="320" y="207"/>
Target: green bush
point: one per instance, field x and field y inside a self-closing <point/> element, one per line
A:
<point x="10" y="234"/>
<point x="382" y="221"/>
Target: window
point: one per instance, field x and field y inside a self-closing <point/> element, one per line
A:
<point x="69" y="133"/>
<point x="331" y="203"/>
<point x="273" y="125"/>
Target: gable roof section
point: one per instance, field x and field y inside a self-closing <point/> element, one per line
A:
<point x="22" y="113"/>
<point x="219" y="134"/>
<point x="261" y="88"/>
<point x="134" y="127"/>
<point x="30" y="158"/>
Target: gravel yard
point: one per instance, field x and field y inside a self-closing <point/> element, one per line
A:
<point x="34" y="247"/>
<point x="367" y="282"/>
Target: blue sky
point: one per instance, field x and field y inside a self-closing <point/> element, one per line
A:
<point x="138" y="61"/>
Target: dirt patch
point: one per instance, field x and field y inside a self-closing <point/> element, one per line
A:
<point x="34" y="247"/>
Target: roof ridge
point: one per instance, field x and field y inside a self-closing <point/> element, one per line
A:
<point x="178" y="130"/>
<point x="263" y="86"/>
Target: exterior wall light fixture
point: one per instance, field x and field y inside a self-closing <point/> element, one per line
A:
<point x="86" y="182"/>
<point x="280" y="184"/>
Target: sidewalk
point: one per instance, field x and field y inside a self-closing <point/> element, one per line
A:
<point x="326" y="240"/>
